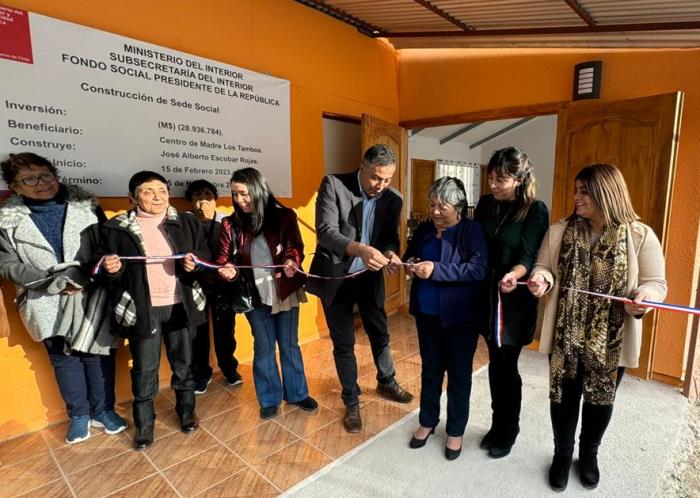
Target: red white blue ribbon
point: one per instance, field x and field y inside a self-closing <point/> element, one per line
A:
<point x="214" y="266"/>
<point x="498" y="319"/>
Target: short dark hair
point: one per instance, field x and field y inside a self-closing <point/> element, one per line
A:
<point x="378" y="155"/>
<point x="142" y="177"/>
<point x="198" y="185"/>
<point x="12" y="165"/>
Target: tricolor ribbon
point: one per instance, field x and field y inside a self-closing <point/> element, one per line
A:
<point x="215" y="266"/>
<point x="498" y="319"/>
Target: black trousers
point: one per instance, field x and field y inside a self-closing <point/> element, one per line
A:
<point x="565" y="415"/>
<point x="506" y="386"/>
<point x="339" y="317"/>
<point x="223" y="321"/>
<point x="145" y="353"/>
<point x="445" y="350"/>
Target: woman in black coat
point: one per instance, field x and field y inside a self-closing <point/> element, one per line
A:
<point x="514" y="223"/>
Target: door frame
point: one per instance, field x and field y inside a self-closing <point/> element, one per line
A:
<point x="542" y="109"/>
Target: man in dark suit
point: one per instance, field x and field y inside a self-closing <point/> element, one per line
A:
<point x="357" y="219"/>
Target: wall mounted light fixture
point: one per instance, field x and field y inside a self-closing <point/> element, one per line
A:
<point x="587" y="76"/>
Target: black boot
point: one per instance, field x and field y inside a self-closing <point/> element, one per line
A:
<point x="594" y="422"/>
<point x="143" y="437"/>
<point x="189" y="422"/>
<point x="504" y="441"/>
<point x="564" y="421"/>
<point x="588" y="467"/>
<point x="559" y="472"/>
<point x="489" y="437"/>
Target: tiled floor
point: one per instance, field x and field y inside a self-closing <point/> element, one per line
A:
<point x="234" y="453"/>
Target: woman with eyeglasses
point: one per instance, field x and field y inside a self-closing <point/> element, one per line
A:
<point x="47" y="238"/>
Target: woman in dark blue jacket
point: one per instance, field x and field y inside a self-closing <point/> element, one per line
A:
<point x="449" y="260"/>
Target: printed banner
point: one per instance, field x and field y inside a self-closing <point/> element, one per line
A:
<point x="103" y="106"/>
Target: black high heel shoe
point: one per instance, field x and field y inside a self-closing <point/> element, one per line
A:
<point x="419" y="443"/>
<point x="451" y="454"/>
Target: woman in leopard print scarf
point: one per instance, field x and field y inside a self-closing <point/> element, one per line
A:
<point x="601" y="248"/>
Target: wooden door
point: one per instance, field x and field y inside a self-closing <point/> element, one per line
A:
<point x="640" y="137"/>
<point x="378" y="131"/>
<point x="422" y="176"/>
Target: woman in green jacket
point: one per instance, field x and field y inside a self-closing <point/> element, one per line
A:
<point x="514" y="223"/>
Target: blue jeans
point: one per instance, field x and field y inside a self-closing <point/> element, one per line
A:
<point x="269" y="330"/>
<point x="86" y="381"/>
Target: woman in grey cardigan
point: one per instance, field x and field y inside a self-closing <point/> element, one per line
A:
<point x="46" y="241"/>
<point x="602" y="248"/>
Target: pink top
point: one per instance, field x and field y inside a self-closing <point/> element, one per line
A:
<point x="162" y="282"/>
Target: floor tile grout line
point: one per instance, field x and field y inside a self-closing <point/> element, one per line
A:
<point x="149" y="476"/>
<point x="60" y="468"/>
<point x="165" y="477"/>
<point x="96" y="463"/>
<point x="183" y="460"/>
<point x="343" y="458"/>
<point x="299" y="438"/>
<point x="223" y="443"/>
<point x="248" y="467"/>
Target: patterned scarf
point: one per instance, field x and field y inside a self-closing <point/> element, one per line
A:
<point x="588" y="329"/>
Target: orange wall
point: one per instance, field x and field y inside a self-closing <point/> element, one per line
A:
<point x="440" y="82"/>
<point x="332" y="68"/>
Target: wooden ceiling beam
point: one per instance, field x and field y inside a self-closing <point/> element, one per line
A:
<point x="576" y="7"/>
<point x="561" y="30"/>
<point x="437" y="10"/>
<point x="363" y="27"/>
<point x="459" y="132"/>
<point x="500" y="132"/>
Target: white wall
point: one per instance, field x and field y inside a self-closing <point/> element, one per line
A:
<point x="430" y="149"/>
<point x="341" y="146"/>
<point x="538" y="139"/>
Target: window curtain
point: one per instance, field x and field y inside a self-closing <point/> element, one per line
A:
<point x="469" y="173"/>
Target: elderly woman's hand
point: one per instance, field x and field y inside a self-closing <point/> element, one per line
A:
<point x="112" y="263"/>
<point x="409" y="268"/>
<point x="424" y="269"/>
<point x="189" y="262"/>
<point x="635" y="309"/>
<point x="537" y="285"/>
<point x="227" y="272"/>
<point x="394" y="263"/>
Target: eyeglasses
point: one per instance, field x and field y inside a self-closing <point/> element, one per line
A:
<point x="32" y="181"/>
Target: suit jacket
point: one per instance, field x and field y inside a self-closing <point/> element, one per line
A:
<point x="339" y="222"/>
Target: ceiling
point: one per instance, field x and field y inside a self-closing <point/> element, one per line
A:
<point x="468" y="134"/>
<point x="521" y="23"/>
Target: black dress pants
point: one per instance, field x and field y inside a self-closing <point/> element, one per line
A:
<point x="168" y="322"/>
<point x="594" y="418"/>
<point x="506" y="387"/>
<point x="445" y="350"/>
<point x="339" y="317"/>
<point x="223" y="321"/>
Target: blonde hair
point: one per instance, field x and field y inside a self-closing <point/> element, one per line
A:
<point x="607" y="188"/>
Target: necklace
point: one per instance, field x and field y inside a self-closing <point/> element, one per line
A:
<point x="500" y="221"/>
